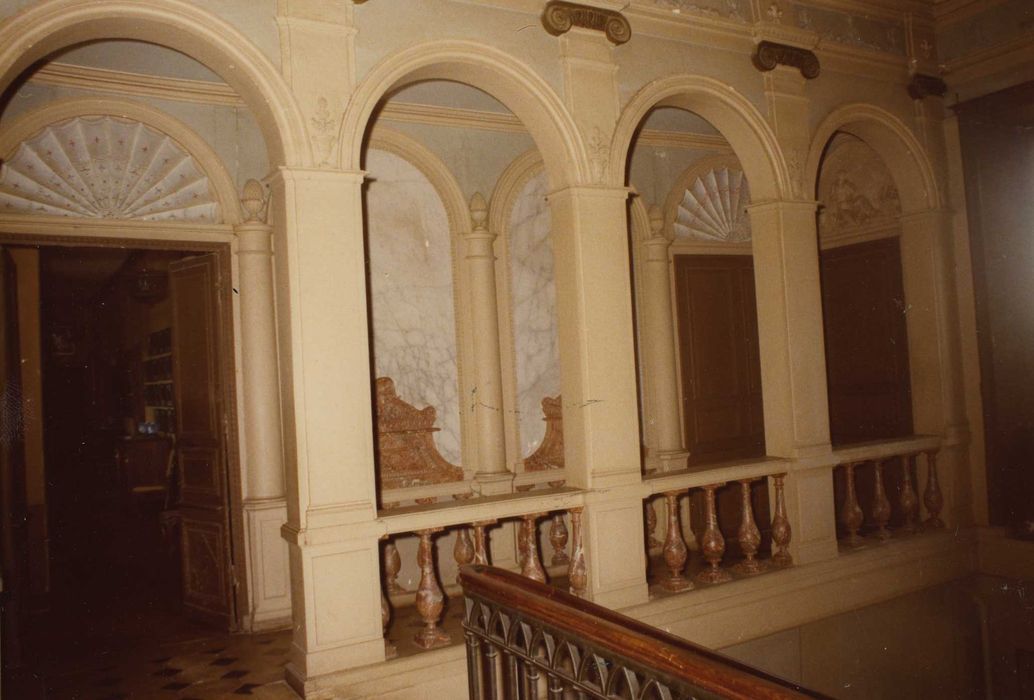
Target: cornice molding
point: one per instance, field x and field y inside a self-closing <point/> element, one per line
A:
<point x="136" y="84"/>
<point x="770" y="54"/>
<point x="560" y="17"/>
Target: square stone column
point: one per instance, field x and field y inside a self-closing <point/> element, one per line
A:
<point x="327" y="413"/>
<point x="793" y="368"/>
<point x="597" y="363"/>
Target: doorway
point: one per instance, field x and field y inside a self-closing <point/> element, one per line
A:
<point x="127" y="517"/>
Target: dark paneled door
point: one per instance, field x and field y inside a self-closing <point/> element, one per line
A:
<point x="194" y="285"/>
<point x="863" y="309"/>
<point x="718" y="355"/>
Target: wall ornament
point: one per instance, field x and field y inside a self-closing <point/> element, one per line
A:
<point x="560" y="17"/>
<point x="713" y="208"/>
<point x="550" y="452"/>
<point x="324" y="137"/>
<point x="922" y="85"/>
<point x="770" y="54"/>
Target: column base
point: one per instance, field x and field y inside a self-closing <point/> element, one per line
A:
<point x="269" y="570"/>
<point x="493" y="484"/>
<point x="672" y="460"/>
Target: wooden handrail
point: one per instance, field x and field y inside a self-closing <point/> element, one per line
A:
<point x="651" y="658"/>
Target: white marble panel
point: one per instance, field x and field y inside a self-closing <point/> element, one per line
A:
<point x="414" y="327"/>
<point x="536" y="347"/>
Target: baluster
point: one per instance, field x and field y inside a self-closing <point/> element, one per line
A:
<point x="463" y="550"/>
<point x="675" y="552"/>
<point x="749" y="535"/>
<point x="712" y="544"/>
<point x="430" y="601"/>
<point x="480" y="541"/>
<point x="522" y="544"/>
<point x="530" y="565"/>
<point x="392" y="566"/>
<point x="577" y="573"/>
<point x="474" y="667"/>
<point x="651" y="526"/>
<point x="909" y="498"/>
<point x="558" y="538"/>
<point x="881" y="504"/>
<point x="932" y="497"/>
<point x="556" y="686"/>
<point x="781" y="531"/>
<point x="851" y="516"/>
<point x="390" y="652"/>
<point x="492" y="684"/>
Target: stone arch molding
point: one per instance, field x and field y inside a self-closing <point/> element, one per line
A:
<point x="139" y="163"/>
<point x="484" y="67"/>
<point x="750" y="136"/>
<point x="893" y="142"/>
<point x="51" y="25"/>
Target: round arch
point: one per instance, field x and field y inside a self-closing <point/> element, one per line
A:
<point x="52" y="25"/>
<point x="750" y="136"/>
<point x="892" y="140"/>
<point x="31" y="123"/>
<point x="484" y="67"/>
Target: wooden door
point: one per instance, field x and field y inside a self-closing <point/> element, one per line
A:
<point x="194" y="287"/>
<point x="718" y="355"/>
<point x="863" y="309"/>
<point x="12" y="468"/>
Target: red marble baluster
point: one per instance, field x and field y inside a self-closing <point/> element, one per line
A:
<point x="651" y="525"/>
<point x="577" y="572"/>
<point x="852" y="516"/>
<point x="481" y="541"/>
<point x="530" y="565"/>
<point x="712" y="544"/>
<point x="932" y="497"/>
<point x="463" y="550"/>
<point x="881" y="504"/>
<point x="675" y="552"/>
<point x="558" y="538"/>
<point x="909" y="498"/>
<point x="781" y="531"/>
<point x="749" y="535"/>
<point x="392" y="566"/>
<point x="430" y="601"/>
<point x="390" y="652"/>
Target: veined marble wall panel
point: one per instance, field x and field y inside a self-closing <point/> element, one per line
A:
<point x="537" y="349"/>
<point x="232" y="132"/>
<point x="411" y="285"/>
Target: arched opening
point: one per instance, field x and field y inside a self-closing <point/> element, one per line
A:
<point x="463" y="342"/>
<point x="696" y="156"/>
<point x="139" y="194"/>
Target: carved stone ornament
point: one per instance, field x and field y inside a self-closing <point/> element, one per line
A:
<point x="560" y="17"/>
<point x="550" y="453"/>
<point x="253" y="202"/>
<point x="922" y="85"/>
<point x="770" y="54"/>
<point x="405" y="440"/>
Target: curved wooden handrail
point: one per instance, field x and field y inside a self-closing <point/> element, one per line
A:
<point x="666" y="655"/>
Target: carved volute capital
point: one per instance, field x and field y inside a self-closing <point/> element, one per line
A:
<point x="560" y="17"/>
<point x="922" y="85"/>
<point x="253" y="202"/>
<point x="770" y="54"/>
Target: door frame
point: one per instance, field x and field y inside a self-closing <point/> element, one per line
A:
<point x="48" y="231"/>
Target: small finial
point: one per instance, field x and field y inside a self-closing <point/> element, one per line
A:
<point x="253" y="202"/>
<point x="478" y="210"/>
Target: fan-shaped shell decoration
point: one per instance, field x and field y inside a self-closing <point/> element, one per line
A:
<point x="106" y="167"/>
<point x="714" y="208"/>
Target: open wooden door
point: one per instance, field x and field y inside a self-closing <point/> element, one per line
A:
<point x="12" y="467"/>
<point x="208" y="587"/>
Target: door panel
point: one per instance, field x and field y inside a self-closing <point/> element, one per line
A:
<point x="863" y="308"/>
<point x="201" y="441"/>
<point x="721" y="372"/>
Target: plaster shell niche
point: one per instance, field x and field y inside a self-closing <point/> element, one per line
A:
<point x="536" y="344"/>
<point x="856" y="190"/>
<point x="714" y="208"/>
<point x="405" y="442"/>
<point x="412" y="294"/>
<point x="106" y="167"/>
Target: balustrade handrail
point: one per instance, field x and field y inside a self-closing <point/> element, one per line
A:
<point x="883" y="449"/>
<point x="611" y="640"/>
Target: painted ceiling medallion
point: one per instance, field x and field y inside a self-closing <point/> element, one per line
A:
<point x="560" y="17"/>
<point x="104" y="167"/>
<point x="714" y="208"/>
